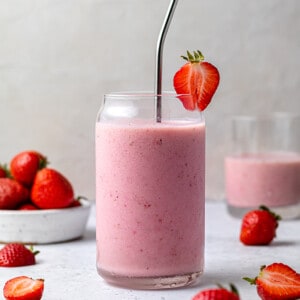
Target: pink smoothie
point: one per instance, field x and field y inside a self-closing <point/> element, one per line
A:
<point x="150" y="198"/>
<point x="272" y="179"/>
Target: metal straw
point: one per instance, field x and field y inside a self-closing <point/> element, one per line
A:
<point x="159" y="56"/>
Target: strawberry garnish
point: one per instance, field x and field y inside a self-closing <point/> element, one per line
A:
<point x="219" y="293"/>
<point x="23" y="288"/>
<point x="259" y="226"/>
<point x="277" y="282"/>
<point x="17" y="255"/>
<point x="196" y="78"/>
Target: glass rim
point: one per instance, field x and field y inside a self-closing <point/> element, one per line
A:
<point x="144" y="94"/>
<point x="265" y="116"/>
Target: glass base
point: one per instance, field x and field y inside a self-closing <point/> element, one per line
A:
<point x="151" y="283"/>
<point x="286" y="212"/>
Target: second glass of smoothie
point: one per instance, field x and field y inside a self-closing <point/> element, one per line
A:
<point x="150" y="191"/>
<point x="263" y="166"/>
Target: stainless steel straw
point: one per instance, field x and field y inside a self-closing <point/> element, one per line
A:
<point x="159" y="56"/>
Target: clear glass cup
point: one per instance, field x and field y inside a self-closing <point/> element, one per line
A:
<point x="263" y="164"/>
<point x="150" y="192"/>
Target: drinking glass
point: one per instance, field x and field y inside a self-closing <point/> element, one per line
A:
<point x="150" y="190"/>
<point x="263" y="165"/>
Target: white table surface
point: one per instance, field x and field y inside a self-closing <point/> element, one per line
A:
<point x="70" y="273"/>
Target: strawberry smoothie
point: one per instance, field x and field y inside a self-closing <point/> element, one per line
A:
<point x="150" y="199"/>
<point x="272" y="179"/>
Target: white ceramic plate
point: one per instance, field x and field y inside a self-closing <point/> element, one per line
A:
<point x="44" y="226"/>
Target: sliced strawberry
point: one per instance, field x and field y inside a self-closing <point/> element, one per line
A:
<point x="197" y="78"/>
<point x="218" y="294"/>
<point x="23" y="288"/>
<point x="277" y="282"/>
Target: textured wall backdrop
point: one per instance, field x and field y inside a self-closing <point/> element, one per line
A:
<point x="58" y="57"/>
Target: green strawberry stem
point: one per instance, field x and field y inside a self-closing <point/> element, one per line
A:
<point x="276" y="216"/>
<point x="233" y="288"/>
<point x="5" y="168"/>
<point x="196" y="58"/>
<point x="253" y="280"/>
<point x="250" y="280"/>
<point x="43" y="162"/>
<point x="34" y="252"/>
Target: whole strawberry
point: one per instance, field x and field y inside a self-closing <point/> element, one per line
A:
<point x="259" y="227"/>
<point x="12" y="193"/>
<point x="196" y="78"/>
<point x="51" y="189"/>
<point x="16" y="255"/>
<point x="219" y="293"/>
<point x="24" y="166"/>
<point x="277" y="282"/>
<point x="23" y="288"/>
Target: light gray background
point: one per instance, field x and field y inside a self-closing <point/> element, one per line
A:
<point x="58" y="57"/>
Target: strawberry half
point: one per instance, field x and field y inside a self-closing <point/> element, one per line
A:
<point x="259" y="227"/>
<point x="277" y="282"/>
<point x="23" y="288"/>
<point x="218" y="294"/>
<point x="16" y="255"/>
<point x="196" y="78"/>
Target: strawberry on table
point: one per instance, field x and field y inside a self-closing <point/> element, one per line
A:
<point x="12" y="193"/>
<point x="197" y="78"/>
<point x="23" y="288"/>
<point x="17" y="255"/>
<point x="259" y="227"/>
<point x="51" y="189"/>
<point x="277" y="282"/>
<point x="24" y="166"/>
<point x="219" y="293"/>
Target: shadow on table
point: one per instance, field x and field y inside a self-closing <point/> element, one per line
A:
<point x="89" y="234"/>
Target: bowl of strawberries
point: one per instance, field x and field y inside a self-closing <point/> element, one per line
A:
<point x="37" y="203"/>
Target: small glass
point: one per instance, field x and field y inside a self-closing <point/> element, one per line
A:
<point x="263" y="165"/>
<point x="150" y="191"/>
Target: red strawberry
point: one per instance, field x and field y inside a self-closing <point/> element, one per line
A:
<point x="25" y="165"/>
<point x="277" y="282"/>
<point x="23" y="288"/>
<point x="75" y="203"/>
<point x="197" y="78"/>
<point x="27" y="206"/>
<point x="259" y="227"/>
<point x="218" y="294"/>
<point x="51" y="189"/>
<point x="16" y="255"/>
<point x="3" y="171"/>
<point x="12" y="193"/>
